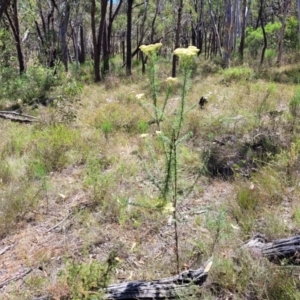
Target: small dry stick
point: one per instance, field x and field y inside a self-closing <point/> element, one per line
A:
<point x="15" y="278"/>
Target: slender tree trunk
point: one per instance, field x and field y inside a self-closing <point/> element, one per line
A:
<point x="298" y="2"/>
<point x="153" y="21"/>
<point x="13" y="20"/>
<point x="96" y="55"/>
<point x="243" y="31"/>
<point x="247" y="13"/>
<point x="3" y="7"/>
<point x="216" y="32"/>
<point x="235" y="25"/>
<point x="264" y="32"/>
<point x="97" y="39"/>
<point x="105" y="50"/>
<point x="123" y="36"/>
<point x="81" y="56"/>
<point x="228" y="27"/>
<point x="178" y="29"/>
<point x="63" y="28"/>
<point x="128" y="37"/>
<point x="285" y="5"/>
<point x="108" y="49"/>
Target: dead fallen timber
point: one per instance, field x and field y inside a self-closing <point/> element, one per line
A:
<point x="166" y="288"/>
<point x="17" y="117"/>
<point x="285" y="250"/>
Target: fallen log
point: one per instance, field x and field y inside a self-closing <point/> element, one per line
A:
<point x="287" y="250"/>
<point x="168" y="288"/>
<point x="173" y="287"/>
<point x="17" y="117"/>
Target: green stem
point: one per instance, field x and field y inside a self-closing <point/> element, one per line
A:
<point x="182" y="104"/>
<point x="175" y="192"/>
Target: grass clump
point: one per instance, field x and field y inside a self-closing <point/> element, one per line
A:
<point x="87" y="280"/>
<point x="15" y="202"/>
<point x="235" y="74"/>
<point x="294" y="107"/>
<point x="114" y="117"/>
<point x="53" y="148"/>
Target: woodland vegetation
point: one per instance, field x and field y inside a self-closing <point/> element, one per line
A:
<point x="143" y="140"/>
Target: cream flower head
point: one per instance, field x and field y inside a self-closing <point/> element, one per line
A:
<point x="186" y="55"/>
<point x="150" y="49"/>
<point x="172" y="80"/>
<point x="186" y="52"/>
<point x="139" y="96"/>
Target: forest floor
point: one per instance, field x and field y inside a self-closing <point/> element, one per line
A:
<point x="74" y="192"/>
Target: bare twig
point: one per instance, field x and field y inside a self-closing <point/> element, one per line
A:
<point x="59" y="223"/>
<point x="6" y="249"/>
<point x="15" y="278"/>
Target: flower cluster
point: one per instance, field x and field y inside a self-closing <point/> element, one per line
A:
<point x="172" y="80"/>
<point x="186" y="54"/>
<point x="150" y="49"/>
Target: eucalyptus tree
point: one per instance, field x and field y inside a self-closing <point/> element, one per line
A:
<point x="177" y="35"/>
<point x="298" y="6"/>
<point x="128" y="36"/>
<point x="228" y="32"/>
<point x="3" y="6"/>
<point x="284" y="9"/>
<point x="107" y="37"/>
<point x="46" y="31"/>
<point x="215" y="28"/>
<point x="11" y="12"/>
<point x="97" y="35"/>
<point x="261" y="19"/>
<point x="63" y="30"/>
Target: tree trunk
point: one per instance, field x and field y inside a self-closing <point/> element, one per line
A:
<point x="96" y="55"/>
<point x="3" y="6"/>
<point x="177" y="34"/>
<point x="14" y="24"/>
<point x="216" y="32"/>
<point x="284" y="8"/>
<point x="264" y="33"/>
<point x="107" y="50"/>
<point x="97" y="38"/>
<point x="81" y="56"/>
<point x="128" y="37"/>
<point x="243" y="31"/>
<point x="228" y="29"/>
<point x="299" y="20"/>
<point x="63" y="28"/>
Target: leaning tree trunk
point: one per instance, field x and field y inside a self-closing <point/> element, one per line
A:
<point x="3" y="5"/>
<point x="107" y="48"/>
<point x="216" y="32"/>
<point x="13" y="20"/>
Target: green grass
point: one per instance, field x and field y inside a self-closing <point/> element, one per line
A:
<point x="91" y="169"/>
